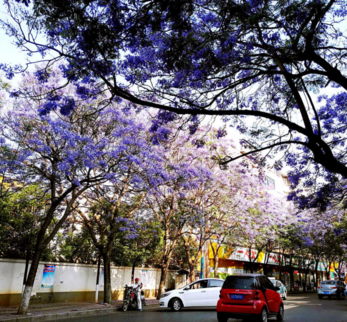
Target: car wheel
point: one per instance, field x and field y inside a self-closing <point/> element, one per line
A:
<point x="176" y="305"/>
<point x="221" y="317"/>
<point x="320" y="296"/>
<point x="263" y="315"/>
<point x="280" y="314"/>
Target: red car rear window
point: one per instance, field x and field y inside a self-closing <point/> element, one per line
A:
<point x="240" y="282"/>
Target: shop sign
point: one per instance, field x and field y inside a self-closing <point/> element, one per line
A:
<point x="274" y="259"/>
<point x="243" y="254"/>
<point x="235" y="270"/>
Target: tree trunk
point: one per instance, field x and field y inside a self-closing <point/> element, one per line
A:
<point x="251" y="266"/>
<point x="41" y="243"/>
<point x="26" y="270"/>
<point x="24" y="303"/>
<point x="97" y="281"/>
<point x="316" y="272"/>
<point x="107" y="279"/>
<point x="216" y="263"/>
<point x="162" y="280"/>
<point x="133" y="273"/>
<point x="250" y="259"/>
<point x="327" y="271"/>
<point x="191" y="272"/>
<point x="168" y="249"/>
<point x="291" y="273"/>
<point x="305" y="282"/>
<point x="191" y="262"/>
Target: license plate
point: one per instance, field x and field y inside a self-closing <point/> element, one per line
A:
<point x="326" y="292"/>
<point x="236" y="296"/>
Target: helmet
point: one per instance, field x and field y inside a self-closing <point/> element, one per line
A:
<point x="137" y="279"/>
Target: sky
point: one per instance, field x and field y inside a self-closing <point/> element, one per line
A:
<point x="9" y="54"/>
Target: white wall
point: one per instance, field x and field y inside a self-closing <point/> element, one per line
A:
<point x="74" y="277"/>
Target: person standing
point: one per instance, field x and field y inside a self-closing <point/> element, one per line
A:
<point x="137" y="287"/>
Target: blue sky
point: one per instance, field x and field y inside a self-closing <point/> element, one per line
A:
<point x="9" y="54"/>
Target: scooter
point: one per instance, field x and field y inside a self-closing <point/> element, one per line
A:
<point x="130" y="298"/>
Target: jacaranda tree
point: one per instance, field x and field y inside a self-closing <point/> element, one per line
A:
<point x="260" y="59"/>
<point x="67" y="149"/>
<point x="107" y="210"/>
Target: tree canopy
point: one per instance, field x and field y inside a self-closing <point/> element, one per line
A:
<point x="260" y="59"/>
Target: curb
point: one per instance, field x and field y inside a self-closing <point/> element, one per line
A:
<point x="57" y="316"/>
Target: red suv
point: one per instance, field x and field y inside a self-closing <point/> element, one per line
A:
<point x="249" y="295"/>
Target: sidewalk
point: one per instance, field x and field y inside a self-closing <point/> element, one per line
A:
<point x="54" y="311"/>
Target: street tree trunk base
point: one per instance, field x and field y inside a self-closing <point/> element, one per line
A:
<point x="24" y="303"/>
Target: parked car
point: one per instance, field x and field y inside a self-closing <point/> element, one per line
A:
<point x="282" y="288"/>
<point x="204" y="292"/>
<point x="249" y="296"/>
<point x="331" y="288"/>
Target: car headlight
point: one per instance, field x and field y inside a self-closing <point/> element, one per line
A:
<point x="165" y="294"/>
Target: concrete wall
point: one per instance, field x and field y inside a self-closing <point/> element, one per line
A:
<point x="72" y="282"/>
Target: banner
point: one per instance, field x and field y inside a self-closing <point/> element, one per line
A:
<point x="144" y="279"/>
<point x="48" y="276"/>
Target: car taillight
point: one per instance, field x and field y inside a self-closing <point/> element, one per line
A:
<point x="333" y="287"/>
<point x="256" y="296"/>
<point x="319" y="287"/>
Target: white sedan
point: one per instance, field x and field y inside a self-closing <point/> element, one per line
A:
<point x="204" y="292"/>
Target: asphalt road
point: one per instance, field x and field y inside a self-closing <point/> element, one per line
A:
<point x="298" y="308"/>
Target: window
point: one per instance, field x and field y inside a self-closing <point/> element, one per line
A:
<point x="269" y="182"/>
<point x="215" y="283"/>
<point x="266" y="283"/>
<point x="198" y="285"/>
<point x="240" y="282"/>
<point x="328" y="283"/>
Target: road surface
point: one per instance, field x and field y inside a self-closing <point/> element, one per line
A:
<point x="298" y="308"/>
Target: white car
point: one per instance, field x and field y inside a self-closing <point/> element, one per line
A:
<point x="204" y="292"/>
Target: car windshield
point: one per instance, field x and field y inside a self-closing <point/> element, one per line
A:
<point x="329" y="283"/>
<point x="240" y="282"/>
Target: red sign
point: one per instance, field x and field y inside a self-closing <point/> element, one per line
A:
<point x="296" y="272"/>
